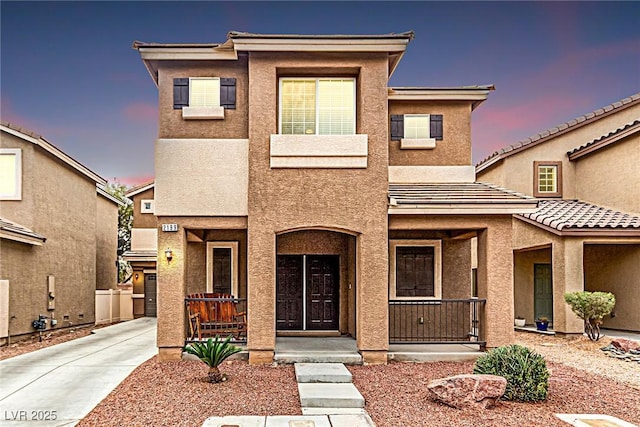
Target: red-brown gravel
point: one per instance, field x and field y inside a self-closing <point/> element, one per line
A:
<point x="176" y="394"/>
<point x="396" y="395"/>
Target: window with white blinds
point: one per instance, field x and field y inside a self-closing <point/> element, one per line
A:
<point x="416" y="126"/>
<point x="317" y="106"/>
<point x="204" y="92"/>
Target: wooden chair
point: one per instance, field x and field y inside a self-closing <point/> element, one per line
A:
<point x="216" y="317"/>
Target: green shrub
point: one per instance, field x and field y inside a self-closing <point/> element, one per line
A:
<point x="591" y="307"/>
<point x="526" y="372"/>
<point x="213" y="353"/>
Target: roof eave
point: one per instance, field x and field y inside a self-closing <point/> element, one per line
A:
<point x="584" y="232"/>
<point x="21" y="237"/>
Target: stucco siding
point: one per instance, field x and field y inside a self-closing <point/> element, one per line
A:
<point x="106" y="243"/>
<point x="455" y="147"/>
<point x="143" y="220"/>
<point x="610" y="176"/>
<point x="523" y="280"/>
<point x="206" y="177"/>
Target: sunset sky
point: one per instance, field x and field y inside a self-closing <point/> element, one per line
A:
<point x="68" y="71"/>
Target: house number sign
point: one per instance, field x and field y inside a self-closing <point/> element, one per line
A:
<point x="169" y="227"/>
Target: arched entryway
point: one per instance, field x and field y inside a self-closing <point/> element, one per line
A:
<point x="315" y="283"/>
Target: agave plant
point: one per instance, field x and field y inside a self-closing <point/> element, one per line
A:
<point x="213" y="353"/>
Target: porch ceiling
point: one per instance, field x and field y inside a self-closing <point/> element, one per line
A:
<point x="575" y="217"/>
<point x="463" y="198"/>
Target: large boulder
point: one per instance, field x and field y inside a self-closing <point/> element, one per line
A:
<point x="468" y="390"/>
<point x="625" y="344"/>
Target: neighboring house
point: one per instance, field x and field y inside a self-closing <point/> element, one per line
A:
<point x="586" y="233"/>
<point x="58" y="235"/>
<point x="290" y="175"/>
<point x="144" y="249"/>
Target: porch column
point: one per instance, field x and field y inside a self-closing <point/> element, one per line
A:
<point x="171" y="294"/>
<point x="568" y="276"/>
<point x="372" y="311"/>
<point x="495" y="282"/>
<point x="261" y="294"/>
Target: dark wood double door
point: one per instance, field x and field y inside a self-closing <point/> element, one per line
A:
<point x="307" y="292"/>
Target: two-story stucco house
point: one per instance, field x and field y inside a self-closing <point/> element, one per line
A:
<point x="144" y="249"/>
<point x="289" y="174"/>
<point x="586" y="233"/>
<point x="58" y="235"/>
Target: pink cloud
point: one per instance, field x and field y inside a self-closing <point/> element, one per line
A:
<point x="132" y="180"/>
<point x="140" y="111"/>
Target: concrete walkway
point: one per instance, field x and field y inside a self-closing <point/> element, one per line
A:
<point x="61" y="384"/>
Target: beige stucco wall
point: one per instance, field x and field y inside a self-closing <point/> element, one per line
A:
<point x="106" y="243"/>
<point x="235" y="122"/>
<point x="455" y="147"/>
<point x="61" y="205"/>
<point x="611" y="177"/>
<point x="205" y="177"/>
<point x="619" y="274"/>
<point x="143" y="220"/>
<point x="286" y="199"/>
<point x="517" y="170"/>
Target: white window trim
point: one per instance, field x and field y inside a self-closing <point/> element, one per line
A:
<point x="437" y="266"/>
<point x="234" y="264"/>
<point x="418" y="143"/>
<point x="316" y="79"/>
<point x="17" y="193"/>
<point x="145" y="210"/>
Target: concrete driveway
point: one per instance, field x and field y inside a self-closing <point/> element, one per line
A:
<point x="59" y="385"/>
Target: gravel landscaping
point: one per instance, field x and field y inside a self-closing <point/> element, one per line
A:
<point x="583" y="380"/>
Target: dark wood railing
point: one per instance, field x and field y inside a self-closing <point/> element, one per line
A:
<point x="448" y="321"/>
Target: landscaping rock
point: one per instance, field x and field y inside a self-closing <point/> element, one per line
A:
<point x="625" y="344"/>
<point x="468" y="390"/>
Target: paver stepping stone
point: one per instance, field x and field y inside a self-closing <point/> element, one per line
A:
<point x="322" y="373"/>
<point x="317" y="395"/>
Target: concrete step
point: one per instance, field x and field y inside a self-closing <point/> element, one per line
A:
<point x="333" y="411"/>
<point x="408" y="356"/>
<point x="322" y="373"/>
<point x="318" y="357"/>
<point x="316" y="395"/>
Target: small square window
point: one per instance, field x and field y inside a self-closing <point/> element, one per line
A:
<point x="10" y="174"/>
<point x="416" y="126"/>
<point x="204" y="92"/>
<point x="147" y="206"/>
<point x="547" y="179"/>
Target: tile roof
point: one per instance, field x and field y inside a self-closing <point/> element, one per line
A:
<point x="549" y="133"/>
<point x="14" y="228"/>
<point x="633" y="127"/>
<point x="454" y="193"/>
<point x="568" y="215"/>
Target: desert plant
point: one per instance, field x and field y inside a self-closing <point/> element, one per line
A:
<point x="591" y="307"/>
<point x="213" y="353"/>
<point x="526" y="372"/>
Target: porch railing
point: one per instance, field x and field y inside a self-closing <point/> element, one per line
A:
<point x="447" y="321"/>
<point x="211" y="305"/>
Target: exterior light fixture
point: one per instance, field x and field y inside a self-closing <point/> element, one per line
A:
<point x="169" y="254"/>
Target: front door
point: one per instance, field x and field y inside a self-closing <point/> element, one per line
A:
<point x="543" y="291"/>
<point x="307" y="292"/>
<point x="150" y="293"/>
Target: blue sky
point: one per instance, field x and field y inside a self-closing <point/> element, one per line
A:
<point x="68" y="71"/>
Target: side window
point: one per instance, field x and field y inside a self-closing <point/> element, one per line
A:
<point x="324" y="106"/>
<point x="417" y="130"/>
<point x="547" y="181"/>
<point x="10" y="174"/>
<point x="147" y="206"/>
<point x="204" y="97"/>
<point x="415" y="269"/>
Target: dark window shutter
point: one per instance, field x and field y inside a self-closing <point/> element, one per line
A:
<point x="180" y="93"/>
<point x="228" y="93"/>
<point x="435" y="130"/>
<point x="397" y="127"/>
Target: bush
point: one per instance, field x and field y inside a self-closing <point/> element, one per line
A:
<point x="213" y="353"/>
<point x="591" y="307"/>
<point x="526" y="372"/>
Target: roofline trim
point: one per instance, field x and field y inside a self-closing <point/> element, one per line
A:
<point x="578" y="232"/>
<point x="576" y="153"/>
<point x="104" y="193"/>
<point x="132" y="192"/>
<point x="56" y="152"/>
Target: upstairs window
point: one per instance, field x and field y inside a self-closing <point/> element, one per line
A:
<point x="204" y="92"/>
<point x="416" y="130"/>
<point x="10" y="174"/>
<point x="324" y="106"/>
<point x="547" y="179"/>
<point x="147" y="206"/>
